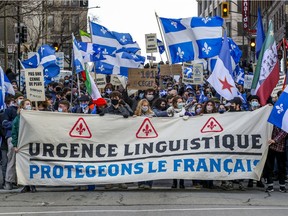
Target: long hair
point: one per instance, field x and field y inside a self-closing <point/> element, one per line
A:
<point x="21" y="106"/>
<point x="138" y="110"/>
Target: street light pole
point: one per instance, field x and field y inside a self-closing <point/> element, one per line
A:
<point x="19" y="44"/>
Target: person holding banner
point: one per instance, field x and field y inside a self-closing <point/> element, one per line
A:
<point x="160" y="107"/>
<point x="144" y="109"/>
<point x="24" y="105"/>
<point x="8" y="117"/>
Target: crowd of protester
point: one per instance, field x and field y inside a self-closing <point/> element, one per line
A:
<point x="167" y="98"/>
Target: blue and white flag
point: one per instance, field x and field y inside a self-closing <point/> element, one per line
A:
<point x="91" y="52"/>
<point x="47" y="55"/>
<point x="32" y="62"/>
<point x="112" y="42"/>
<point x="279" y="113"/>
<point x="202" y="97"/>
<point x="5" y="88"/>
<point x="192" y="38"/>
<point x="77" y="56"/>
<point x="221" y="79"/>
<point x="239" y="75"/>
<point x="188" y="71"/>
<point x="119" y="63"/>
<point x="161" y="47"/>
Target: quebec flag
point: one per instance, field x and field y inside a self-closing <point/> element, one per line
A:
<point x="111" y="41"/>
<point x="119" y="63"/>
<point x="32" y="62"/>
<point x="77" y="57"/>
<point x="5" y="87"/>
<point x="192" y="38"/>
<point x="279" y="113"/>
<point x="47" y="55"/>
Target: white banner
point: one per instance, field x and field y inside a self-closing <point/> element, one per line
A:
<point x="74" y="149"/>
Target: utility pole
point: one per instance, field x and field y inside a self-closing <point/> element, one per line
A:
<point x="5" y="40"/>
<point x="19" y="44"/>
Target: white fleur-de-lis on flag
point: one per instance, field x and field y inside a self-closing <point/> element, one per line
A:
<point x="206" y="48"/>
<point x="174" y="24"/>
<point x="101" y="68"/>
<point x="180" y="53"/>
<point x="103" y="30"/>
<point x="206" y="20"/>
<point x="123" y="39"/>
<point x="279" y="108"/>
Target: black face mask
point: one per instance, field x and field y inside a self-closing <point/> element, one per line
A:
<point x="114" y="102"/>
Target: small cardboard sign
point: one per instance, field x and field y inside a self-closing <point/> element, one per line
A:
<point x="151" y="43"/>
<point x="248" y="81"/>
<point x="197" y="74"/>
<point x="34" y="80"/>
<point x="101" y="80"/>
<point x="142" y="79"/>
<point x="167" y="70"/>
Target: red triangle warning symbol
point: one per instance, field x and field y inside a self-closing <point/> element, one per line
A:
<point x="146" y="130"/>
<point x="212" y="125"/>
<point x="80" y="129"/>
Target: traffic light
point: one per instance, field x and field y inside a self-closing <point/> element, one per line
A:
<point x="225" y="10"/>
<point x="252" y="44"/>
<point x="56" y="46"/>
<point x="23" y="37"/>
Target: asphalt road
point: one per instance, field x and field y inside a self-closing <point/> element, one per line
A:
<point x="161" y="200"/>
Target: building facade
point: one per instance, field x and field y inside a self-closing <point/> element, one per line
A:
<point x="242" y="20"/>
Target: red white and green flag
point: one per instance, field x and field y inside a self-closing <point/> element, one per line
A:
<point x="91" y="87"/>
<point x="266" y="74"/>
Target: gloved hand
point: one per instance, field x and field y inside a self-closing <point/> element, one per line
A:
<point x="101" y="114"/>
<point x="170" y="111"/>
<point x="125" y="116"/>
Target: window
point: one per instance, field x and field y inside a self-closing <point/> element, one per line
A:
<point x="74" y="23"/>
<point x="239" y="28"/>
<point x="65" y="2"/>
<point x="75" y="3"/>
<point x="65" y="21"/>
<point x="50" y="22"/>
<point x="50" y="2"/>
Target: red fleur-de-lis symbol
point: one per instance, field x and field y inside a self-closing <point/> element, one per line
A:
<point x="147" y="130"/>
<point x="211" y="125"/>
<point x="80" y="129"/>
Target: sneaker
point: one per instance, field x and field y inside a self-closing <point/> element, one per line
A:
<point x="141" y="186"/>
<point x="123" y="186"/>
<point x="108" y="186"/>
<point x="241" y="186"/>
<point x="8" y="186"/>
<point x="260" y="184"/>
<point x="147" y="187"/>
<point x="250" y="183"/>
<point x="282" y="189"/>
<point x="269" y="189"/>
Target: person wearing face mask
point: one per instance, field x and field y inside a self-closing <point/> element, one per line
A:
<point x="83" y="107"/>
<point x="150" y="96"/>
<point x="9" y="115"/>
<point x="24" y="105"/>
<point x="160" y="107"/>
<point x="235" y="104"/>
<point x="118" y="106"/>
<point x="254" y="101"/>
<point x="221" y="108"/>
<point x="63" y="106"/>
<point x="143" y="109"/>
<point x="209" y="107"/>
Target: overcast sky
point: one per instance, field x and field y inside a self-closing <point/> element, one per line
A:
<point x="137" y="17"/>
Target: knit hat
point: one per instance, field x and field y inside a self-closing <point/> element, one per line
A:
<point x="18" y="94"/>
<point x="100" y="102"/>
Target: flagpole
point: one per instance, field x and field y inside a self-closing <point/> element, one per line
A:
<point x="71" y="97"/>
<point x="285" y="63"/>
<point x="164" y="42"/>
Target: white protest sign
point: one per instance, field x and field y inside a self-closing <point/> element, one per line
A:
<point x="248" y="81"/>
<point x="88" y="149"/>
<point x="115" y="80"/>
<point x="197" y="74"/>
<point x="101" y="80"/>
<point x="34" y="80"/>
<point x="151" y="43"/>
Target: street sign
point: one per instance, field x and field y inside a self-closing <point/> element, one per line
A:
<point x="151" y="43"/>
